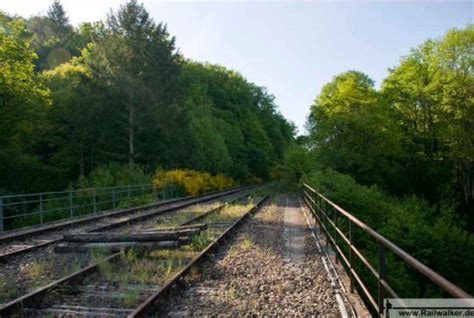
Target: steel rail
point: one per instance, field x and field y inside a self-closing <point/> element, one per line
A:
<point x="143" y="216"/>
<point x="16" y="235"/>
<point x="187" y="202"/>
<point x="384" y="243"/>
<point x="33" y="297"/>
<point x="145" y="307"/>
<point x="219" y="208"/>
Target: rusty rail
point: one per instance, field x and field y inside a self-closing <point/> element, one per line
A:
<point x="146" y="306"/>
<point x="181" y="203"/>
<point x="316" y="201"/>
<point x="33" y="297"/>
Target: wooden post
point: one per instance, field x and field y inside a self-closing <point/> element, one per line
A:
<point x="128" y="237"/>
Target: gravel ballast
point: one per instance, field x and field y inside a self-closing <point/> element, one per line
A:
<point x="27" y="272"/>
<point x="259" y="272"/>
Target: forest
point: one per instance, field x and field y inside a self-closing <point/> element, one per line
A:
<point x="401" y="157"/>
<point x="118" y="95"/>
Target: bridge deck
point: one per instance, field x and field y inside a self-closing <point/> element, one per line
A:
<point x="274" y="266"/>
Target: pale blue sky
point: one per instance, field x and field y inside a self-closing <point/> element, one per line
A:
<point x="292" y="48"/>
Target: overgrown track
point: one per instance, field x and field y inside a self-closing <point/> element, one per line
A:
<point x="26" y="273"/>
<point x="144" y="308"/>
<point x="33" y="299"/>
<point x="15" y="243"/>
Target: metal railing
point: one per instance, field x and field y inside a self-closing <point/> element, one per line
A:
<point x="329" y="215"/>
<point x="22" y="210"/>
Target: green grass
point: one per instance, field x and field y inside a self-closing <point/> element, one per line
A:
<point x="200" y="241"/>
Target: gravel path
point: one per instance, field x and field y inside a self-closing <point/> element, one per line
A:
<point x="261" y="273"/>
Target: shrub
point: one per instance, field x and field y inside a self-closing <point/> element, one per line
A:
<point x="112" y="175"/>
<point x="190" y="181"/>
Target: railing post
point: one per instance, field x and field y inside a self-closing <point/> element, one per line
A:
<point x="41" y="207"/>
<point x="129" y="192"/>
<point x="71" y="212"/>
<point x="1" y="215"/>
<point x="334" y="220"/>
<point x="113" y="198"/>
<point x="351" y="259"/>
<point x="314" y="203"/>
<point x="94" y="201"/>
<point x="382" y="276"/>
<point x="326" y="219"/>
<point x="142" y="189"/>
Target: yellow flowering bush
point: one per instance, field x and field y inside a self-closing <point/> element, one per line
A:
<point x="191" y="181"/>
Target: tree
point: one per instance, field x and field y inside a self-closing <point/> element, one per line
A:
<point x="74" y="117"/>
<point x="55" y="40"/>
<point x="432" y="93"/>
<point x="59" y="21"/>
<point x="351" y="129"/>
<point x="245" y="125"/>
<point x="23" y="102"/>
<point x="138" y="59"/>
<point x="122" y="94"/>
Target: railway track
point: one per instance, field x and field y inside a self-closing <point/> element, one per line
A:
<point x="24" y="241"/>
<point x="129" y="283"/>
<point x="39" y="267"/>
<point x="270" y="267"/>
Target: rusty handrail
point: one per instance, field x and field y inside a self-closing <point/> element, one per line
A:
<point x="384" y="244"/>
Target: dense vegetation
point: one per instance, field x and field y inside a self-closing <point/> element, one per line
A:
<point x="77" y="99"/>
<point x="190" y="182"/>
<point x="401" y="158"/>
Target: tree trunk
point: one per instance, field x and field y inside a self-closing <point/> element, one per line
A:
<point x="468" y="189"/>
<point x="468" y="181"/>
<point x="131" y="134"/>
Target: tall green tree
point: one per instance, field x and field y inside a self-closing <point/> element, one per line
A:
<point x="55" y="40"/>
<point x="432" y="93"/>
<point x="245" y="118"/>
<point x="23" y="103"/>
<point x="121" y="94"/>
<point x="138" y="59"/>
<point x="73" y="136"/>
<point x="351" y="129"/>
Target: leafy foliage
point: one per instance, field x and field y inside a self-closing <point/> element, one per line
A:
<point x="77" y="98"/>
<point x="400" y="159"/>
<point x="415" y="135"/>
<point x="23" y="103"/>
<point x="409" y="222"/>
<point x="190" y="181"/>
<point x="431" y="92"/>
<point x="113" y="174"/>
